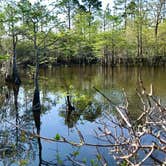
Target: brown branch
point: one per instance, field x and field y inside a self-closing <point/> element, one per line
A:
<point x="75" y="162"/>
<point x="64" y="140"/>
<point x="126" y="100"/>
<point x="102" y="160"/>
<point x="123" y="115"/>
<point x="104" y="96"/>
<point x="147" y="156"/>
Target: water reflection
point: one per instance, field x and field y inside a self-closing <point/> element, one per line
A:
<point x="70" y="116"/>
<point x="80" y="106"/>
<point x="36" y="109"/>
<point x="16" y="91"/>
<point x="66" y="99"/>
<point x="15" y="147"/>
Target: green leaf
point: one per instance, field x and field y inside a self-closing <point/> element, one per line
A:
<point x="93" y="163"/>
<point x="84" y="160"/>
<point x="23" y="162"/>
<point x="98" y="157"/>
<point x="76" y="153"/>
<point x="23" y="136"/>
<point x="4" y="57"/>
<point x="57" y="137"/>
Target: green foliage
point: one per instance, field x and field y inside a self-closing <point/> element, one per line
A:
<point x="57" y="137"/>
<point x="2" y="17"/>
<point x="92" y="34"/>
<point x="23" y="162"/>
<point x="58" y="158"/>
<point x="124" y="163"/>
<point x="93" y="163"/>
<point x="84" y="160"/>
<point x="4" y="57"/>
<point x="75" y="153"/>
<point x="24" y="51"/>
<point x="23" y="136"/>
<point x="81" y="100"/>
<point x="98" y="157"/>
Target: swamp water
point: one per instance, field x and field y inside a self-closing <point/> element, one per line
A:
<point x="17" y="145"/>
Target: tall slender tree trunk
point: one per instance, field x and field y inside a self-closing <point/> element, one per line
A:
<point x="14" y="71"/>
<point x="104" y="22"/>
<point x="158" y="19"/>
<point x="89" y="21"/>
<point x="156" y="38"/>
<point x="113" y="46"/>
<point x="139" y="30"/>
<point x="36" y="97"/>
<point x="69" y="15"/>
<point x="36" y="54"/>
<point x="113" y="53"/>
<point x="16" y="91"/>
<point x="15" y="75"/>
<point x="141" y="46"/>
<point x="139" y="41"/>
<point x="125" y="14"/>
<point x="36" y="114"/>
<point x="89" y="10"/>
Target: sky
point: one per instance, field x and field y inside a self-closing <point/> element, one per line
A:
<point x="104" y="2"/>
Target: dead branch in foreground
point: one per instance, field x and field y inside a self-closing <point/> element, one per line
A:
<point x="144" y="137"/>
<point x="132" y="142"/>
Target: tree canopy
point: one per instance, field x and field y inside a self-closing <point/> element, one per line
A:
<point x="83" y="31"/>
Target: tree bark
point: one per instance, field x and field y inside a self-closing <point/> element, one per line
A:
<point x="69" y="15"/>
<point x="139" y="30"/>
<point x="36" y="55"/>
<point x="15" y="75"/>
<point x="158" y="19"/>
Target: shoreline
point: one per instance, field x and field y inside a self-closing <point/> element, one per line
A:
<point x="154" y="61"/>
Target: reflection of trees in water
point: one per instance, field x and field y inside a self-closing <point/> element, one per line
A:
<point x="88" y="105"/>
<point x="92" y="112"/>
<point x="15" y="145"/>
<point x="81" y="106"/>
<point x="83" y="79"/>
<point x="36" y="109"/>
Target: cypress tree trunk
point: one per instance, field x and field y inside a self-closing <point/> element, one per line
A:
<point x="69" y="15"/>
<point x="36" y="55"/>
<point x="158" y="19"/>
<point x="16" y="91"/>
<point x="36" y="106"/>
<point x="36" y="114"/>
<point x="139" y="29"/>
<point x="15" y="76"/>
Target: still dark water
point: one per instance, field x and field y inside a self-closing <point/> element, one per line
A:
<point x="17" y="148"/>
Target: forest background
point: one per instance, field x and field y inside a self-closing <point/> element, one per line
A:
<point x="83" y="32"/>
